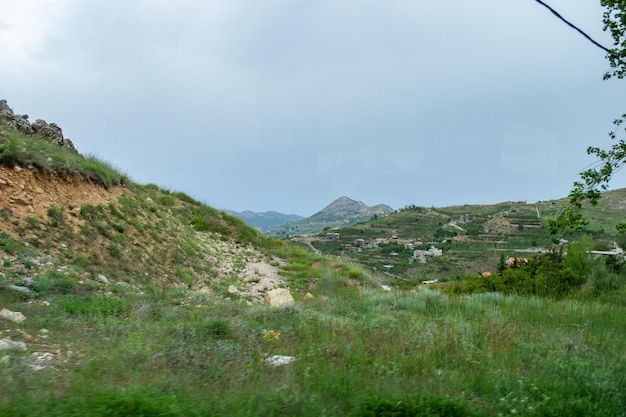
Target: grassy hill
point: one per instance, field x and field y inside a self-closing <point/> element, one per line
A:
<point x="267" y="220"/>
<point x="121" y="299"/>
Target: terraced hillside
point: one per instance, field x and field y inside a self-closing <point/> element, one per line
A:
<point x="472" y="238"/>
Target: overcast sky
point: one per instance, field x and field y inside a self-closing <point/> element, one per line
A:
<point x="287" y="105"/>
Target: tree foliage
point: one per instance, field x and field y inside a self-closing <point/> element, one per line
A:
<point x="614" y="19"/>
<point x="597" y="178"/>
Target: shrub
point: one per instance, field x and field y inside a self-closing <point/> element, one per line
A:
<point x="412" y="407"/>
<point x="94" y="305"/>
<point x="56" y="216"/>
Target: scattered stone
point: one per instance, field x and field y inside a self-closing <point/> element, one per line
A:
<point x="19" y="288"/>
<point x="24" y="200"/>
<point x="8" y="344"/>
<point x="14" y="316"/>
<point x="279" y="360"/>
<point x="40" y="360"/>
<point x="279" y="297"/>
<point x="101" y="278"/>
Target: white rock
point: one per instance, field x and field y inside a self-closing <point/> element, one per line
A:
<point x="233" y="290"/>
<point x="8" y="344"/>
<point x="101" y="278"/>
<point x="280" y="297"/>
<point x="14" y="316"/>
<point x="279" y="360"/>
<point x="386" y="287"/>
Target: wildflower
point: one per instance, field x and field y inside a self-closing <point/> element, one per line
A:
<point x="271" y="336"/>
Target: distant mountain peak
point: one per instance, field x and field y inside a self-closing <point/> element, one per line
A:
<point x="342" y="212"/>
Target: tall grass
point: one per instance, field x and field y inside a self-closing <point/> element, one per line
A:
<point x="359" y="351"/>
<point x="23" y="149"/>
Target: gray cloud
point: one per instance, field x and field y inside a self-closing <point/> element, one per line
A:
<point x="266" y="105"/>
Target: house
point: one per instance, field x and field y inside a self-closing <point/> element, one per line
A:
<point x="387" y="268"/>
<point x="332" y="236"/>
<point x="421" y="255"/>
<point x="433" y="251"/>
<point x="359" y="243"/>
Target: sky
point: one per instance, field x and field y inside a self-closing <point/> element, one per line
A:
<point x="287" y="105"/>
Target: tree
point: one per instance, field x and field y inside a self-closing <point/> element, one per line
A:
<point x="596" y="179"/>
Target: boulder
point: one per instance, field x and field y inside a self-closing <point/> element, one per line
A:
<point x="279" y="297"/>
<point x="14" y="121"/>
<point x="8" y="344"/>
<point x="14" y="316"/>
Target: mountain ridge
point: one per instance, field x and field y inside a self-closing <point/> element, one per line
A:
<point x="342" y="212"/>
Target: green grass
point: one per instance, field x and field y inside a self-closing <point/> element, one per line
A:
<point x="165" y="338"/>
<point x="360" y="352"/>
<point x="23" y="149"/>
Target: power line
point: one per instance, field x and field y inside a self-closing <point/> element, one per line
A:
<point x="554" y="12"/>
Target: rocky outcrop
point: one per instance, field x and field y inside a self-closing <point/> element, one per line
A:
<point x="48" y="131"/>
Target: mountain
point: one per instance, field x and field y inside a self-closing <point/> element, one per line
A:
<point x="340" y="213"/>
<point x="265" y="221"/>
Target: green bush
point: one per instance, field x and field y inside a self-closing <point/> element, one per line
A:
<point x="95" y="305"/>
<point x="56" y="216"/>
<point x="412" y="407"/>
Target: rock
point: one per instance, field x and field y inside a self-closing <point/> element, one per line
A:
<point x="309" y="296"/>
<point x="14" y="316"/>
<point x="232" y="289"/>
<point x="51" y="132"/>
<point x="24" y="200"/>
<point x="14" y="121"/>
<point x="279" y="297"/>
<point x="8" y="344"/>
<point x="48" y="131"/>
<point x="386" y="287"/>
<point x="279" y="360"/>
<point x="19" y="288"/>
<point x="101" y="278"/>
<point x="264" y="284"/>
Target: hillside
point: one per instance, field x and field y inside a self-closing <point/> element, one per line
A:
<point x="471" y="237"/>
<point x="342" y="212"/>
<point x="265" y="221"/>
<point x="126" y="300"/>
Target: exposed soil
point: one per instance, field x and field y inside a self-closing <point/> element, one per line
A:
<point x="26" y="192"/>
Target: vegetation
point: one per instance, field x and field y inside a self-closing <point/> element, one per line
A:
<point x="596" y="179"/>
<point x="22" y="149"/>
<point x="128" y="313"/>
